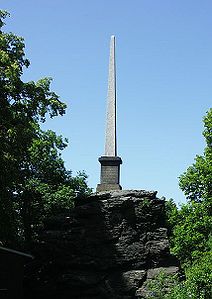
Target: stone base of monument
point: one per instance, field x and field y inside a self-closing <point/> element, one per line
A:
<point x="110" y="173"/>
<point x="109" y="246"/>
<point x="108" y="187"/>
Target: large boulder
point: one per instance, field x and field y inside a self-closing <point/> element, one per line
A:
<point x="104" y="248"/>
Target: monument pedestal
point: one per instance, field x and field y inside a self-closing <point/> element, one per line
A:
<point x="110" y="173"/>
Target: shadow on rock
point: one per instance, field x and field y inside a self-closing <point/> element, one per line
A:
<point x="104" y="248"/>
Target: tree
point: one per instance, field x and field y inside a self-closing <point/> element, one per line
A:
<point x="191" y="225"/>
<point x="191" y="230"/>
<point x="32" y="170"/>
<point x="48" y="188"/>
<point x="194" y="221"/>
<point x="196" y="182"/>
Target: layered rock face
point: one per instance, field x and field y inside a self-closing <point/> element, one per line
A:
<point x="107" y="247"/>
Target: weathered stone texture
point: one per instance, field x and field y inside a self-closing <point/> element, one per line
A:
<point x="110" y="142"/>
<point x="105" y="248"/>
<point x="110" y="174"/>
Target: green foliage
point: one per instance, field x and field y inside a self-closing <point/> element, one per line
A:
<point x="191" y="243"/>
<point x="171" y="214"/>
<point x="199" y="277"/>
<point x="191" y="229"/>
<point x="145" y="204"/>
<point x="179" y="291"/>
<point x="198" y="283"/>
<point x="196" y="182"/>
<point x="33" y="179"/>
<point x="193" y="222"/>
<point x="191" y="225"/>
<point x="160" y="286"/>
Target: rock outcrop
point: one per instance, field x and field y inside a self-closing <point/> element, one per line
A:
<point x="107" y="247"/>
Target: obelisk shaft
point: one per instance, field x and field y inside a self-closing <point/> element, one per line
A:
<point x="110" y="162"/>
<point x="110" y="142"/>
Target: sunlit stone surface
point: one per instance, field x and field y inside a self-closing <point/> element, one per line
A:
<point x="110" y="162"/>
<point x="110" y="144"/>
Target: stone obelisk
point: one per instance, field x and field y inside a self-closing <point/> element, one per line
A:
<point x="110" y="162"/>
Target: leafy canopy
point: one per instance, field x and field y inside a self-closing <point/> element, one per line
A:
<point x="33" y="180"/>
<point x="196" y="182"/>
<point x="191" y="225"/>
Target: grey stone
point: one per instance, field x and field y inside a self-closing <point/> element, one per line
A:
<point x="103" y="187"/>
<point x="106" y="247"/>
<point x="144" y="293"/>
<point x="110" y="162"/>
<point x="110" y="143"/>
<point x="125" y="283"/>
<point x="172" y="270"/>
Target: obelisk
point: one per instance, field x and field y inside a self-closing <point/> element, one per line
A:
<point x="110" y="162"/>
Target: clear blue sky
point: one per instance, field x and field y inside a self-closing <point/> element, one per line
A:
<point x="164" y="80"/>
